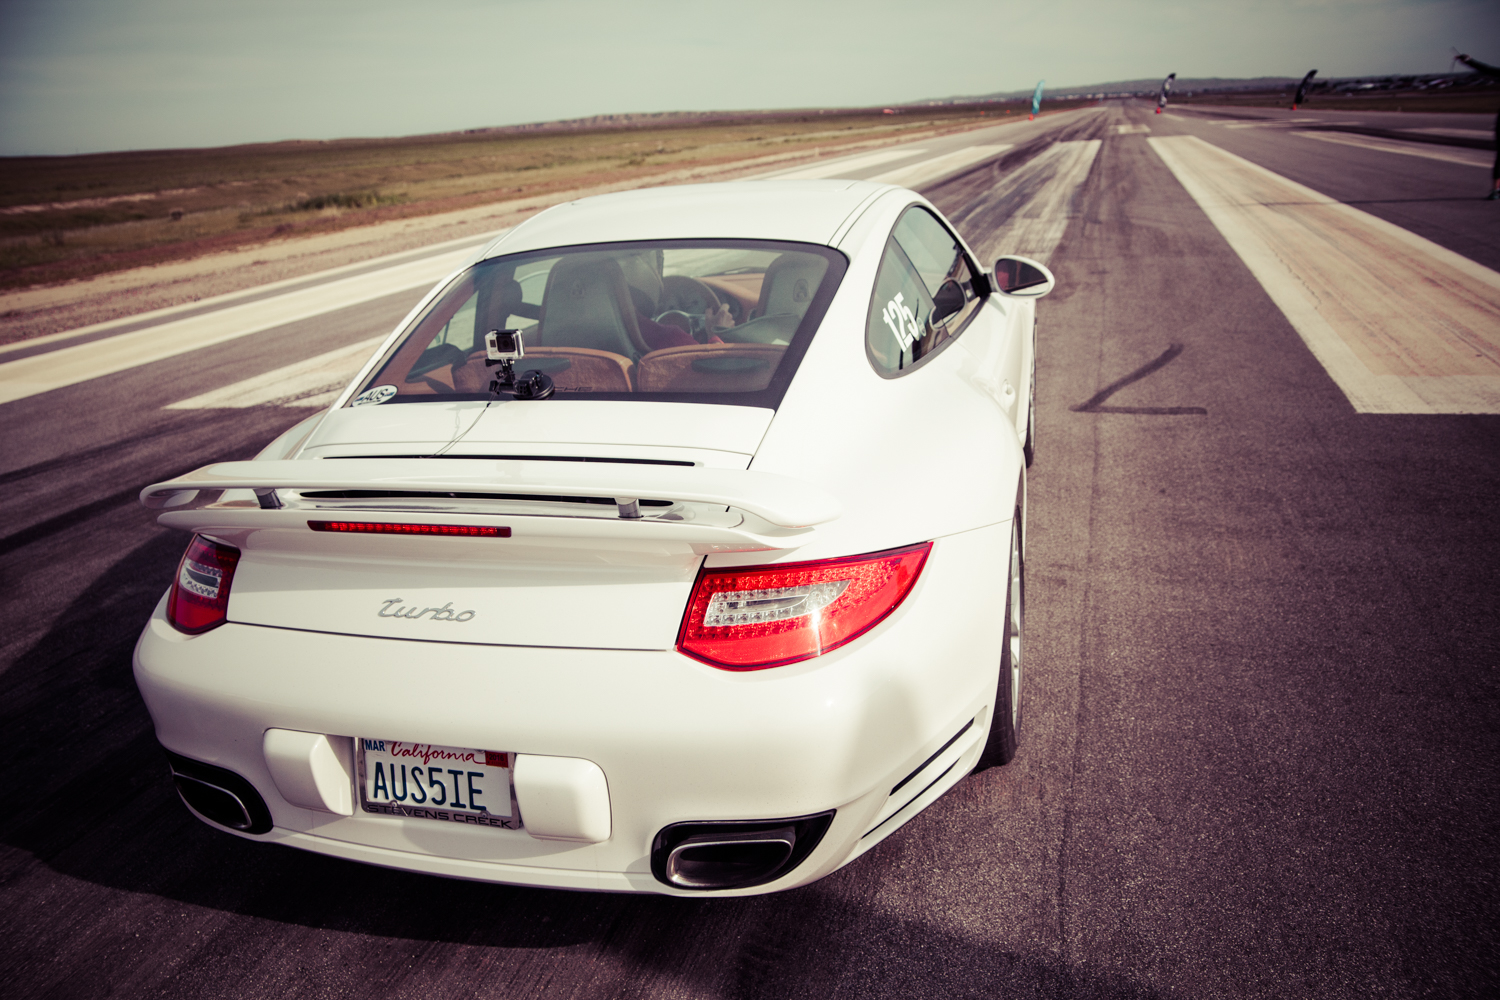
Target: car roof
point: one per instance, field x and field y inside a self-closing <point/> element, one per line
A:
<point x="795" y="211"/>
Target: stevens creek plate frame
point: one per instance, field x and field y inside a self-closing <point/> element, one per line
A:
<point x="411" y="757"/>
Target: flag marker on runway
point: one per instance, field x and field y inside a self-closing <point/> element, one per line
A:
<point x="1402" y="324"/>
<point x="1301" y="96"/>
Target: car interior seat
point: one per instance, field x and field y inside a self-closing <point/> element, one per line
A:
<point x="587" y="304"/>
<point x="786" y="292"/>
<point x="789" y="284"/>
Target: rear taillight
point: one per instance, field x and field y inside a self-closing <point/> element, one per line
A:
<point x="385" y="528"/>
<point x="200" y="595"/>
<point x="767" y="616"/>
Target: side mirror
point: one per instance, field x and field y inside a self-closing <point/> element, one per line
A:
<point x="948" y="300"/>
<point x="1022" y="277"/>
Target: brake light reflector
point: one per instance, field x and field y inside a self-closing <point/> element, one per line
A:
<point x="383" y="528"/>
<point x="199" y="599"/>
<point x="769" y="616"/>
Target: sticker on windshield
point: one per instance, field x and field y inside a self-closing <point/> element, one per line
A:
<point x="371" y="397"/>
<point x="903" y="323"/>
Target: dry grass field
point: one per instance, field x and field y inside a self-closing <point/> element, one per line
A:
<point x="74" y="216"/>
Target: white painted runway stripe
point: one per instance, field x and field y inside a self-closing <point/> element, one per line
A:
<point x="1036" y="227"/>
<point x="472" y="243"/>
<point x="82" y="362"/>
<point x="1275" y="123"/>
<point x="1402" y="324"/>
<point x="842" y="165"/>
<point x="920" y="173"/>
<point x="1447" y="154"/>
<point x="311" y="383"/>
<point x="1462" y="133"/>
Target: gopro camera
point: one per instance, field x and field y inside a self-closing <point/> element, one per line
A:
<point x="504" y="345"/>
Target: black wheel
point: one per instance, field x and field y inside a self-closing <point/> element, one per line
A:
<point x="1006" y="725"/>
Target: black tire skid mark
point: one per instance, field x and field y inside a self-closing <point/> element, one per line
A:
<point x="1095" y="403"/>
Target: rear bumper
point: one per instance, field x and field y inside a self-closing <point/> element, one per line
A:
<point x="677" y="740"/>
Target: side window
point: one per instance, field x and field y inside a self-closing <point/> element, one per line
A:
<point x="451" y="343"/>
<point x="939" y="257"/>
<point x="458" y="331"/>
<point x="920" y="258"/>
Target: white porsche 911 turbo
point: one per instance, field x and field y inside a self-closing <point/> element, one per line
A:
<point x="675" y="545"/>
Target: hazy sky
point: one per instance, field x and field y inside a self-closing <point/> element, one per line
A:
<point x="90" y="75"/>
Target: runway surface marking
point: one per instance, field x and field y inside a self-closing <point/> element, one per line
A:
<point x="1401" y="324"/>
<point x="1042" y="191"/>
<point x="842" y="165"/>
<point x="152" y="317"/>
<point x="1448" y="154"/>
<point x="80" y="363"/>
<point x="314" y="382"/>
<point x="1276" y="123"/>
<point x="1461" y="133"/>
<point x="920" y="173"/>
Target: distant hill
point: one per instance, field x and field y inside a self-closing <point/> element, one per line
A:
<point x="1190" y="86"/>
<point x="1150" y="85"/>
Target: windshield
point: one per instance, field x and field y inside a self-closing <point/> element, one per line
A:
<point x="700" y="321"/>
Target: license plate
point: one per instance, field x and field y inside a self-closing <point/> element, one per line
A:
<point x="426" y="781"/>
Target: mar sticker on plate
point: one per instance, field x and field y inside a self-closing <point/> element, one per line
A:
<point x="425" y="781"/>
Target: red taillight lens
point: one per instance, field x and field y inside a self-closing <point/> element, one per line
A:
<point x="200" y="595"/>
<point x="383" y="528"/>
<point x="768" y="616"/>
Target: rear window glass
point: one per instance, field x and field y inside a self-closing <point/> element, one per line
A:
<point x="697" y="321"/>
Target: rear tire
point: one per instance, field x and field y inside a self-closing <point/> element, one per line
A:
<point x="1005" y="726"/>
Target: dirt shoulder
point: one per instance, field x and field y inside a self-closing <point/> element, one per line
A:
<point x="49" y="309"/>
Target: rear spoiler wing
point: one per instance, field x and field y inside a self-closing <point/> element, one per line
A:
<point x="772" y="511"/>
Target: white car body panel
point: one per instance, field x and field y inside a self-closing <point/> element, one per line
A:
<point x="718" y="744"/>
<point x="884" y="476"/>
<point x="570" y="653"/>
<point x="563" y="798"/>
<point x="312" y="771"/>
<point x="795" y="211"/>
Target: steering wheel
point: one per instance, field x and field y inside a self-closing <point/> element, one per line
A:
<point x="678" y="291"/>
<point x="689" y="298"/>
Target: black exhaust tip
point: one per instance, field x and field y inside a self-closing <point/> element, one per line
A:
<point x="734" y="855"/>
<point x="220" y="795"/>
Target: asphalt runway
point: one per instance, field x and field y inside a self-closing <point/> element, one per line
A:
<point x="1260" y="751"/>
